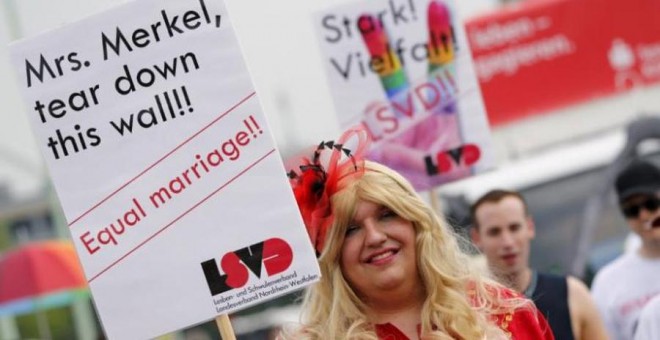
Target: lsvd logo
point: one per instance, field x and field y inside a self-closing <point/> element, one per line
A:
<point x="448" y="160"/>
<point x="274" y="254"/>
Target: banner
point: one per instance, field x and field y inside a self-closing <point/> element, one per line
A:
<point x="402" y="69"/>
<point x="544" y="55"/>
<point x="177" y="201"/>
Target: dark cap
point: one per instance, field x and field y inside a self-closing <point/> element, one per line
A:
<point x="638" y="178"/>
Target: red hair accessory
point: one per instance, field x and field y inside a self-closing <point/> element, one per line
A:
<point x="314" y="184"/>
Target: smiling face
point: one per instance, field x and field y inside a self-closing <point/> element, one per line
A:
<point x="378" y="252"/>
<point x="503" y="233"/>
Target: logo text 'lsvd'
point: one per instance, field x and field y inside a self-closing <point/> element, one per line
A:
<point x="275" y="254"/>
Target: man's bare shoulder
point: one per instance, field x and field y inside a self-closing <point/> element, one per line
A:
<point x="583" y="311"/>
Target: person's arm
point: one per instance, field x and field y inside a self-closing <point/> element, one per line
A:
<point x="585" y="318"/>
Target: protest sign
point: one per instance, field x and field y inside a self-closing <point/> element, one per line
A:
<point x="402" y="69"/>
<point x="176" y="198"/>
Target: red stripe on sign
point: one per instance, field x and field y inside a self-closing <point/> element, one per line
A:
<point x="182" y="215"/>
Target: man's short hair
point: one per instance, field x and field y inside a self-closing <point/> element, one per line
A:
<point x="494" y="196"/>
<point x="638" y="178"/>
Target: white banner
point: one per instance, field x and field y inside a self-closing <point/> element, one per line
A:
<point x="176" y="198"/>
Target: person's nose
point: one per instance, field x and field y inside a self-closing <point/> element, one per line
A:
<point x="507" y="239"/>
<point x="375" y="236"/>
<point x="645" y="214"/>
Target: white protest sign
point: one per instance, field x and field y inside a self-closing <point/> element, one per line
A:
<point x="176" y="198"/>
<point x="403" y="70"/>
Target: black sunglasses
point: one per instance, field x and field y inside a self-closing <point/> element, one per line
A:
<point x="649" y="204"/>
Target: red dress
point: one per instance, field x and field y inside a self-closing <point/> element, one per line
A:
<point x="522" y="324"/>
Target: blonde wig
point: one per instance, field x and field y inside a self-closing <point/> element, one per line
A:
<point x="461" y="301"/>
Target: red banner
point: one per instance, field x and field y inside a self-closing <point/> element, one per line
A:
<point x="548" y="54"/>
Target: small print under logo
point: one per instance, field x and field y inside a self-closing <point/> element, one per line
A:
<point x="275" y="254"/>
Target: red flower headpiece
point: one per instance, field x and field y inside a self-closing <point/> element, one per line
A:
<point x="314" y="184"/>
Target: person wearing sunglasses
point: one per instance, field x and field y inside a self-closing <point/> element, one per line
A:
<point x="624" y="286"/>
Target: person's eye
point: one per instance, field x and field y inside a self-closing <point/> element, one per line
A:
<point x="387" y="213"/>
<point x="352" y="228"/>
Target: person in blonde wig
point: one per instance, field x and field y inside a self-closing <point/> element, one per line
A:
<point x="391" y="268"/>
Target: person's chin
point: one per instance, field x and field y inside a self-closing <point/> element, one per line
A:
<point x="512" y="268"/>
<point x="654" y="233"/>
<point x="390" y="283"/>
<point x="391" y="274"/>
